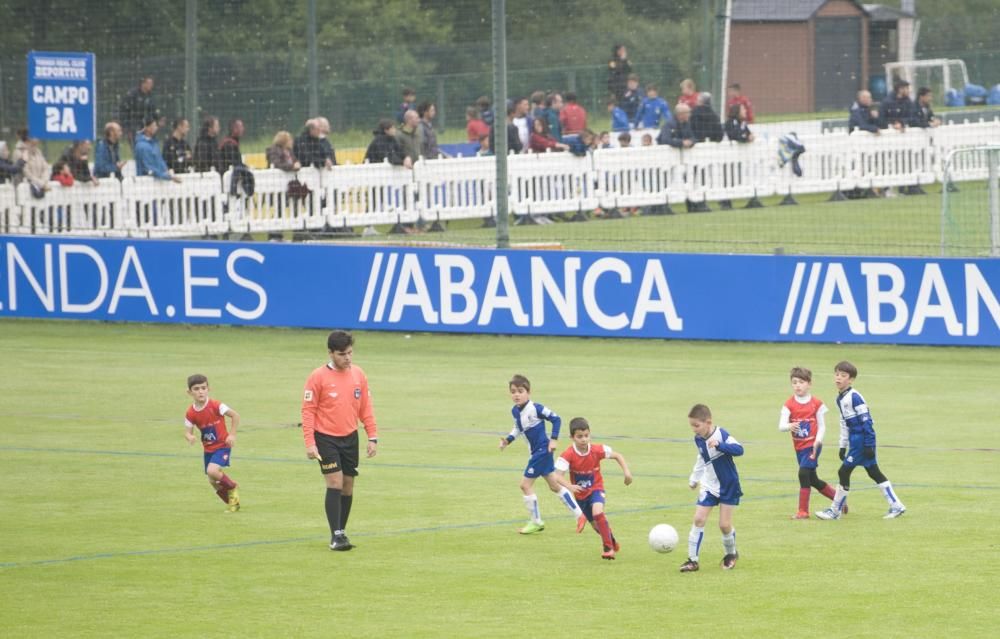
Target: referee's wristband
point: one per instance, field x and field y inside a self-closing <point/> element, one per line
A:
<point x="373" y="440"/>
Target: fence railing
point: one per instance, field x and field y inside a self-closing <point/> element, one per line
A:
<point x="463" y="188"/>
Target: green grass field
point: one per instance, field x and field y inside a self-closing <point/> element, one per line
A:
<point x="109" y="528"/>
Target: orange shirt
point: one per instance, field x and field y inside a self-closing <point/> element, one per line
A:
<point x="333" y="403"/>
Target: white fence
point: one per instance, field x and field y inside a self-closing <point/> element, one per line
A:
<point x="464" y="188"/>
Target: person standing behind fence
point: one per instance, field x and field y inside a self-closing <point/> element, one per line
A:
<point x="148" y="159"/>
<point x="77" y="158"/>
<point x="327" y="154"/>
<point x="279" y="154"/>
<point x="862" y="115"/>
<point x="522" y="122"/>
<point x="553" y="105"/>
<point x="385" y="147"/>
<point x="408" y="136"/>
<point x="428" y="137"/>
<point x="136" y="107"/>
<point x="689" y="93"/>
<point x="705" y="121"/>
<point x="409" y="99"/>
<point x="734" y="95"/>
<point x="736" y="125"/>
<point x="8" y="170"/>
<point x="619" y="69"/>
<point x="475" y="128"/>
<point x="573" y="117"/>
<point x="36" y="170"/>
<point x="631" y="101"/>
<point x="107" y="155"/>
<point x="229" y="149"/>
<point x="897" y="109"/>
<point x="677" y="131"/>
<point x="206" y="148"/>
<point x="923" y="114"/>
<point x="176" y="150"/>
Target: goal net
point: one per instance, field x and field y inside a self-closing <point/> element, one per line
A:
<point x="940" y="75"/>
<point x="970" y="206"/>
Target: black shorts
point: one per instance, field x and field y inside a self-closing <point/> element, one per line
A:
<point x="340" y="454"/>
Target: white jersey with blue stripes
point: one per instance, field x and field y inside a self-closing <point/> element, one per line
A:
<point x="714" y="466"/>
<point x="529" y="420"/>
<point x="855" y="420"/>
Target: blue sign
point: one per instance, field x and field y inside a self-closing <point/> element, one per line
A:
<point x="62" y="101"/>
<point x="717" y="297"/>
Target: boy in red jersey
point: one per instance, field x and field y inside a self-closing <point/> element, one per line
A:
<point x="209" y="417"/>
<point x="583" y="461"/>
<point x="336" y="397"/>
<point x="803" y="416"/>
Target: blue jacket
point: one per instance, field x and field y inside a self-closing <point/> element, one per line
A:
<point x="106" y="158"/>
<point x="148" y="159"/>
<point x="619" y="120"/>
<point x="651" y="112"/>
<point x="896" y="110"/>
<point x="674" y="133"/>
<point x="861" y="118"/>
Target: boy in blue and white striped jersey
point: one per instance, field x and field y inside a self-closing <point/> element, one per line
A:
<point x="715" y="471"/>
<point x="857" y="445"/>
<point x="529" y="420"/>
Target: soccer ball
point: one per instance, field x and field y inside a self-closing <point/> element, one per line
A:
<point x="663" y="538"/>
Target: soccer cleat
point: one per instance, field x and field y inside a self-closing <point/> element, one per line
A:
<point x="843" y="509"/>
<point x="829" y="513"/>
<point x="615" y="542"/>
<point x="729" y="561"/>
<point x="689" y="566"/>
<point x="801" y="515"/>
<point x="234" y="500"/>
<point x="532" y="528"/>
<point x="609" y="553"/>
<point x="341" y="543"/>
<point x="581" y="523"/>
<point x="893" y="513"/>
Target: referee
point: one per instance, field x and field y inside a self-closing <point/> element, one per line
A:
<point x="337" y="397"/>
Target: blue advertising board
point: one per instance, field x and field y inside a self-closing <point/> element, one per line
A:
<point x="645" y="295"/>
<point x="62" y="100"/>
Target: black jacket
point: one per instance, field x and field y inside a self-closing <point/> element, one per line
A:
<point x="206" y="155"/>
<point x="737" y="130"/>
<point x="705" y="124"/>
<point x="310" y="151"/>
<point x="135" y="107"/>
<point x="229" y="154"/>
<point x="675" y="132"/>
<point x="384" y="147"/>
<point x="175" y="154"/>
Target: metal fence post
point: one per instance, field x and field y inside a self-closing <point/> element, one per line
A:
<point x="500" y="118"/>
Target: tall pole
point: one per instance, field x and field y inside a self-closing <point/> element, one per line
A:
<point x="993" y="156"/>
<point x="191" y="62"/>
<point x="500" y="118"/>
<point x="313" y="68"/>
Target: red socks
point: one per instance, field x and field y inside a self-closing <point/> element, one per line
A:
<point x="828" y="492"/>
<point x="804" y="500"/>
<point x="223" y="495"/>
<point x="227" y="483"/>
<point x="604" y="529"/>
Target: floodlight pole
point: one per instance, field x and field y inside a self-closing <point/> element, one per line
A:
<point x="313" y="67"/>
<point x="993" y="156"/>
<point x="191" y="62"/>
<point x="500" y="118"/>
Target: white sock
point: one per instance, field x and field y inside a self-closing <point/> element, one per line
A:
<point x="839" y="499"/>
<point x="694" y="541"/>
<point x="531" y="503"/>
<point x="567" y="498"/>
<point x="729" y="542"/>
<point x="890" y="495"/>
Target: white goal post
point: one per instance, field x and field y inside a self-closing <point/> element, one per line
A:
<point x="953" y="73"/>
<point x="972" y="164"/>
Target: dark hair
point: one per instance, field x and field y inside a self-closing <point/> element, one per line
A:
<point x="22" y="134"/>
<point x="232" y="124"/>
<point x="652" y="87"/>
<point x="520" y="381"/>
<point x="615" y="48"/>
<point x="922" y="91"/>
<point x="339" y="341"/>
<point x="483" y="102"/>
<point x="577" y="424"/>
<point x="550" y="97"/>
<point x="700" y="412"/>
<point x="545" y="125"/>
<point x="408" y="91"/>
<point x="537" y="97"/>
<point x="735" y="85"/>
<point x="58" y="167"/>
<point x="612" y="101"/>
<point x="472" y="112"/>
<point x="207" y="123"/>
<point x="624" y="137"/>
<point x="633" y="76"/>
<point x="177" y="122"/>
<point x="899" y="84"/>
<point x="383" y="125"/>
<point x="846" y="367"/>
<point x="197" y="378"/>
<point x="802" y="373"/>
<point x="148" y="120"/>
<point x="734" y="111"/>
<point x="424" y="107"/>
<point x="570" y="96"/>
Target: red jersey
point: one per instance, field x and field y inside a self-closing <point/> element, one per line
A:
<point x="804" y="436"/>
<point x="210" y="421"/>
<point x="573" y="118"/>
<point x="334" y="402"/>
<point x="745" y="101"/>
<point x="584" y="469"/>
<point x="476" y="129"/>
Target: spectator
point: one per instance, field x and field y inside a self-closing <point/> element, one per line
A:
<point x="206" y="148"/>
<point x="428" y="137"/>
<point x="107" y="155"/>
<point x="485" y="112"/>
<point x="647" y="139"/>
<point x="484" y="146"/>
<point x="308" y="146"/>
<point x="77" y="158"/>
<point x="409" y="99"/>
<point x="327" y="154"/>
<point x="541" y="140"/>
<point x="705" y="121"/>
<point x="734" y="95"/>
<point x="408" y="136"/>
<point x="689" y="93"/>
<point x="632" y="99"/>
<point x="537" y="104"/>
<point x="148" y="159"/>
<point x="62" y="174"/>
<point x="573" y="117"/>
<point x="736" y="124"/>
<point x="923" y="115"/>
<point x="8" y="170"/>
<point x="653" y="110"/>
<point x="897" y="109"/>
<point x="137" y="107"/>
<point x="176" y="150"/>
<point x="603" y="140"/>
<point x="619" y="69"/>
<point x="625" y="140"/>
<point x="229" y="149"/>
<point x="862" y="115"/>
<point x="583" y="143"/>
<point x="553" y="105"/>
<point x="513" y="139"/>
<point x="279" y="154"/>
<point x="475" y="128"/>
<point x="522" y="122"/>
<point x="677" y="131"/>
<point x="384" y="146"/>
<point x="619" y="119"/>
<point x="34" y="167"/>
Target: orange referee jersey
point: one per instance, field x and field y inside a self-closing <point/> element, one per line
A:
<point x="334" y="401"/>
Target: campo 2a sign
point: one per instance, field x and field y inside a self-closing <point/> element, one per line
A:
<point x="62" y="101"/>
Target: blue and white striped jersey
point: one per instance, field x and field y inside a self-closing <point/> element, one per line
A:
<point x="855" y="420"/>
<point x="714" y="467"/>
<point x="530" y="420"/>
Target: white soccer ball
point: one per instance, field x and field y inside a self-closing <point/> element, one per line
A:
<point x="663" y="538"/>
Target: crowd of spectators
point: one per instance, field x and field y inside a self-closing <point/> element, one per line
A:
<point x="897" y="111"/>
